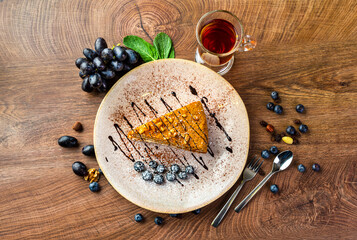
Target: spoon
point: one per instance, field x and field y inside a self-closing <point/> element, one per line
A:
<point x="281" y="162"/>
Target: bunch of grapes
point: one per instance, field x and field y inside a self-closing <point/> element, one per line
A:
<point x="102" y="67"/>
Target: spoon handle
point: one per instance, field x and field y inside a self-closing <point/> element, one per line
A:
<point x="252" y="193"/>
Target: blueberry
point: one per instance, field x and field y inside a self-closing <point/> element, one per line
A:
<point x="139" y="166"/>
<point x="174" y="215"/>
<point x="197" y="211"/>
<point x="94" y="186"/>
<point x="274" y="188"/>
<point x="153" y="164"/>
<point x="88" y="150"/>
<point x="316" y="167"/>
<point x="159" y="220"/>
<point x="138" y="217"/>
<point x="175" y="168"/>
<point x="274" y="150"/>
<point x="189" y="169"/>
<point x="158" y="179"/>
<point x="300" y="108"/>
<point x="291" y="130"/>
<point x="270" y="106"/>
<point x="170" y="176"/>
<point x="79" y="169"/>
<point x="278" y="109"/>
<point x="274" y="95"/>
<point x="301" y="168"/>
<point x="68" y="141"/>
<point x="265" y="154"/>
<point x="303" y="128"/>
<point x="161" y="168"/>
<point x="182" y="175"/>
<point x="147" y="175"/>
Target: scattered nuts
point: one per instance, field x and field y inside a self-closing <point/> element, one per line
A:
<point x="195" y="118"/>
<point x="93" y="175"/>
<point x="162" y="129"/>
<point x="288" y="140"/>
<point x="77" y="126"/>
<point x="159" y="124"/>
<point x="184" y="115"/>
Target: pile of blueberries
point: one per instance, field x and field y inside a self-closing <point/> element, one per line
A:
<point x="159" y="169"/>
<point x="102" y="67"/>
<point x="289" y="130"/>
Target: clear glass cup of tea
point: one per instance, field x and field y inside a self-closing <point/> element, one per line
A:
<point x="220" y="34"/>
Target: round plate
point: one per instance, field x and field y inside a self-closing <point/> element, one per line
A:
<point x="150" y="82"/>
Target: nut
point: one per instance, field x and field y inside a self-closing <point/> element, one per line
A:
<point x="77" y="126"/>
<point x="263" y="123"/>
<point x="270" y="128"/>
<point x="159" y="124"/>
<point x="187" y="138"/>
<point x="172" y="130"/>
<point x="162" y="129"/>
<point x="184" y="115"/>
<point x="141" y="130"/>
<point x="170" y="120"/>
<point x="288" y="140"/>
<point x="92" y="176"/>
<point x="195" y="117"/>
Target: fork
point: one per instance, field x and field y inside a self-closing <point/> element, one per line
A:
<point x="249" y="173"/>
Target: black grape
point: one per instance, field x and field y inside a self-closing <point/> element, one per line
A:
<point x="116" y="65"/>
<point x="95" y="80"/>
<point x="127" y="67"/>
<point x="89" y="53"/>
<point x="79" y="61"/>
<point x="86" y="85"/>
<point x="120" y="53"/>
<point x="100" y="44"/>
<point x="108" y="74"/>
<point x="104" y="86"/>
<point x="99" y="63"/>
<point x="132" y="56"/>
<point x="107" y="54"/>
<point x="82" y="75"/>
<point x="87" y="68"/>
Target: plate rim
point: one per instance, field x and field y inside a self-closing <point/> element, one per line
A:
<point x="224" y="191"/>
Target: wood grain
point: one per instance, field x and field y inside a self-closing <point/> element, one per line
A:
<point x="307" y="50"/>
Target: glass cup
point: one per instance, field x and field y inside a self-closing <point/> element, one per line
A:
<point x="221" y="62"/>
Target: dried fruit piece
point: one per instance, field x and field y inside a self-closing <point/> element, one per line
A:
<point x="77" y="126"/>
<point x="297" y="121"/>
<point x="288" y="140"/>
<point x="263" y="123"/>
<point x="270" y="128"/>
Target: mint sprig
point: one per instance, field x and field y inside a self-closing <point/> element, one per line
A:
<point x="163" y="47"/>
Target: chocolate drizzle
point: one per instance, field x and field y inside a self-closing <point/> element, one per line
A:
<point x="116" y="147"/>
<point x="229" y="149"/>
<point x="204" y="101"/>
<point x="193" y="90"/>
<point x="106" y="159"/>
<point x="200" y="161"/>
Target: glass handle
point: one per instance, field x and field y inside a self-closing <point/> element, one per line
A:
<point x="248" y="44"/>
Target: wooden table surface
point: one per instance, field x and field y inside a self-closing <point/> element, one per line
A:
<point x="307" y="50"/>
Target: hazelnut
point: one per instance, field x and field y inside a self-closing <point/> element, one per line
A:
<point x="77" y="126"/>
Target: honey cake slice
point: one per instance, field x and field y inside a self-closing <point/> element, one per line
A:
<point x="184" y="128"/>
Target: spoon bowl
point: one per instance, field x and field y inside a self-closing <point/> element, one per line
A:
<point x="282" y="161"/>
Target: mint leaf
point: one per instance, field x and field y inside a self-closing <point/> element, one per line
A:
<point x="146" y="50"/>
<point x="172" y="52"/>
<point x="163" y="44"/>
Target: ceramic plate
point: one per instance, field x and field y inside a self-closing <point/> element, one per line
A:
<point x="134" y="98"/>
